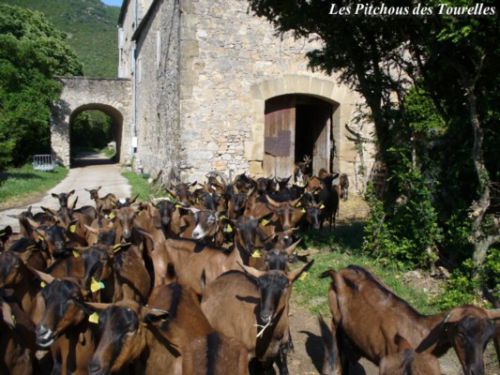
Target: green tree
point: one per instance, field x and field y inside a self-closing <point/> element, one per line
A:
<point x="32" y="54"/>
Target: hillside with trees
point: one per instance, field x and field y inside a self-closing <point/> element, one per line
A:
<point x="91" y="29"/>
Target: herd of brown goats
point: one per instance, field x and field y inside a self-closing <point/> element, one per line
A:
<point x="199" y="282"/>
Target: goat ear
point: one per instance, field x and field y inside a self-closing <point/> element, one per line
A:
<point x="295" y="202"/>
<point x="493" y="314"/>
<point x="98" y="306"/>
<point x="91" y="229"/>
<point x="74" y="203"/>
<point x="34" y="224"/>
<point x="328" y="273"/>
<point x="294" y="275"/>
<point x="71" y="192"/>
<point x="289" y="250"/>
<point x="439" y="331"/>
<point x="86" y="190"/>
<point x="99" y="188"/>
<point x="250" y="271"/>
<point x="7" y="316"/>
<point x="152" y="314"/>
<point x="45" y="277"/>
<point x="48" y="211"/>
<point x="55" y="195"/>
<point x="401" y="343"/>
<point x="194" y="210"/>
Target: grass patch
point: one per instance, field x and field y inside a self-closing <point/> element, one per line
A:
<point x="339" y="249"/>
<point x="139" y="184"/>
<point x="21" y="185"/>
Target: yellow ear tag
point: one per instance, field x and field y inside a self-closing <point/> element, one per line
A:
<point x="264" y="222"/>
<point x="178" y="205"/>
<point x="117" y="247"/>
<point x="229" y="229"/>
<point x="256" y="254"/>
<point x="94" y="318"/>
<point x="303" y="210"/>
<point x="303" y="276"/>
<point x="322" y="206"/>
<point x="43" y="284"/>
<point x="13" y="319"/>
<point x="72" y="228"/>
<point x="76" y="254"/>
<point x="112" y="215"/>
<point x="96" y="285"/>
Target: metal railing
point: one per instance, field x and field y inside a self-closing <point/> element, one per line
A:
<point x="43" y="162"/>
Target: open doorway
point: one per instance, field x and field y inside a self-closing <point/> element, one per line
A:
<point x="95" y="135"/>
<point x="297" y="126"/>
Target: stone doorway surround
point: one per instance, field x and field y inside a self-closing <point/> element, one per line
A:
<point x="340" y="95"/>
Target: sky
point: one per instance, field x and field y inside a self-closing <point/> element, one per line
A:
<point x="117" y="3"/>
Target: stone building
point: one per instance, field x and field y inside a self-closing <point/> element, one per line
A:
<point x="213" y="88"/>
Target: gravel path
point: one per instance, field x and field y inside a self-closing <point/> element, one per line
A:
<point x="106" y="175"/>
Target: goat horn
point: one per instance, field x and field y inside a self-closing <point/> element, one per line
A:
<point x="271" y="201"/>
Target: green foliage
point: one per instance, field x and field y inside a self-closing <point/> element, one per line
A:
<point x="91" y="29"/>
<point x="20" y="184"/>
<point x="460" y="288"/>
<point x="139" y="185"/>
<point x="91" y="129"/>
<point x="32" y="52"/>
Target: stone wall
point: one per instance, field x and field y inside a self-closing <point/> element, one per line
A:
<point x="157" y="91"/>
<point x="204" y="72"/>
<point x="126" y="44"/>
<point x="231" y="62"/>
<point x="111" y="96"/>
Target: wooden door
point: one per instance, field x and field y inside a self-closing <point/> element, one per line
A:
<point x="322" y="146"/>
<point x="279" y="136"/>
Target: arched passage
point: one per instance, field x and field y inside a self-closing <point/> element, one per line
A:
<point x="110" y="96"/>
<point x="116" y="124"/>
<point x="298" y="126"/>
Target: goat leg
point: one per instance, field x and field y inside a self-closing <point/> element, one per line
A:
<point x="282" y="360"/>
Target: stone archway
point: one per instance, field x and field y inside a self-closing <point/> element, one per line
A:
<point x="111" y="96"/>
<point x="116" y="119"/>
<point x="344" y="101"/>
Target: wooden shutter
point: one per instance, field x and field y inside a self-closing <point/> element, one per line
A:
<point x="279" y="136"/>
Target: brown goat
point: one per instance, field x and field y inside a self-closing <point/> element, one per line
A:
<point x="171" y="325"/>
<point x="64" y="327"/>
<point x="359" y="303"/>
<point x="105" y="204"/>
<point x="191" y="260"/>
<point x="253" y="308"/>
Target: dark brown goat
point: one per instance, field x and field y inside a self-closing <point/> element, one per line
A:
<point x="64" y="327"/>
<point x="253" y="308"/>
<point x="359" y="303"/>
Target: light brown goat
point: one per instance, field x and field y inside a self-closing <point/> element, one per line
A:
<point x="366" y="315"/>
